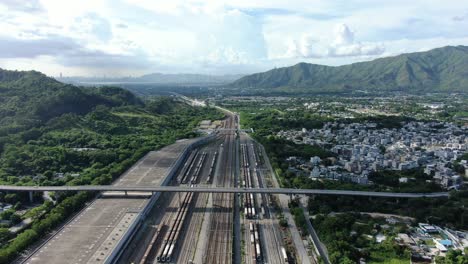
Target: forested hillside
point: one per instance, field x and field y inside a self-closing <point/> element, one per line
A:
<point x="47" y="127"/>
<point x="438" y="70"/>
<point x="57" y="134"/>
<point x="28" y="99"/>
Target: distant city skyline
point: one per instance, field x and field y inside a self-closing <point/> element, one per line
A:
<point x="137" y="37"/>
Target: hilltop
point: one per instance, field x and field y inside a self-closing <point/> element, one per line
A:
<point x="30" y="98"/>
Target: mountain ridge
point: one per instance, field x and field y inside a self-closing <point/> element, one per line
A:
<point x="159" y="78"/>
<point x="440" y="70"/>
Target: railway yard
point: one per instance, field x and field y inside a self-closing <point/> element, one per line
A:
<point x="265" y="243"/>
<point x="184" y="227"/>
<point x="201" y="227"/>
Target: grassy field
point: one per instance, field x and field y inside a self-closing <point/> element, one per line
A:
<point x="135" y="114"/>
<point x="391" y="261"/>
<point x="379" y="258"/>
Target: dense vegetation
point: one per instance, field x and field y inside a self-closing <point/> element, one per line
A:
<point x="30" y="99"/>
<point x="299" y="216"/>
<point x="453" y="257"/>
<point x="417" y="181"/>
<point x="268" y="121"/>
<point x="41" y="226"/>
<point x="438" y="70"/>
<point x="450" y="212"/>
<point x="57" y="134"/>
<point x="345" y="236"/>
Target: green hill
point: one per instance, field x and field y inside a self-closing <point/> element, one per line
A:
<point x="87" y="135"/>
<point x="28" y="99"/>
<point x="42" y="121"/>
<point x="438" y="70"/>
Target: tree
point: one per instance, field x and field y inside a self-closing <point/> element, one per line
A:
<point x="453" y="257"/>
<point x="283" y="222"/>
<point x="15" y="219"/>
<point x="346" y="260"/>
<point x="11" y="198"/>
<point x="17" y="206"/>
<point x="4" y="234"/>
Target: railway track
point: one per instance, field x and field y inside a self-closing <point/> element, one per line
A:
<point x="178" y="234"/>
<point x="219" y="249"/>
<point x="199" y="227"/>
<point x="254" y="248"/>
<point x="172" y="229"/>
<point x="193" y="241"/>
<point x="266" y="244"/>
<point x="172" y="236"/>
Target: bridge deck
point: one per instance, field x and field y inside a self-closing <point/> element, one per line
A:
<point x="155" y="189"/>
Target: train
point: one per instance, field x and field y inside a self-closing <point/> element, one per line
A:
<point x="249" y="203"/>
<point x="200" y="163"/>
<point x="255" y="241"/>
<point x="171" y="238"/>
<point x="213" y="162"/>
<point x="188" y="165"/>
<point x="284" y="255"/>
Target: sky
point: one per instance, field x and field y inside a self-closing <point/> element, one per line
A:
<point x="135" y="37"/>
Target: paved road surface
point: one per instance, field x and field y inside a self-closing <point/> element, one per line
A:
<point x="301" y="250"/>
<point x="318" y="244"/>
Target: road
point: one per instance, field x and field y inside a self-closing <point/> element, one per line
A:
<point x="315" y="239"/>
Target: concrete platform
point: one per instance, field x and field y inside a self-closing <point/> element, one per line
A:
<point x="154" y="167"/>
<point x="95" y="232"/>
<point x="105" y="220"/>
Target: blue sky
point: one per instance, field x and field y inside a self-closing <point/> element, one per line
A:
<point x="134" y="37"/>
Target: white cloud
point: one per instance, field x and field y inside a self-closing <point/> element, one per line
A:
<point x="344" y="44"/>
<point x="227" y="55"/>
<point x="340" y="44"/>
<point x="306" y="47"/>
<point x="343" y="35"/>
<point x="218" y="36"/>
<point x="459" y="18"/>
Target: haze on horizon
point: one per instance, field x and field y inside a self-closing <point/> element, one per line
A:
<point x="135" y="37"/>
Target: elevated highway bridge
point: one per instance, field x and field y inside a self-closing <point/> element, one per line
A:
<point x="198" y="189"/>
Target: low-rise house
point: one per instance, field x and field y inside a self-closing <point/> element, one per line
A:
<point x="428" y="229"/>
